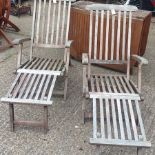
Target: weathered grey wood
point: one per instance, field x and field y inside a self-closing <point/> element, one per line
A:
<point x="120" y="142"/>
<point x="96" y="35"/>
<point x="118" y="35"/>
<point x="101" y="34"/>
<point x="111" y="7"/>
<point x="115" y="97"/>
<point x="94" y="119"/>
<point x="26" y="101"/>
<point x="58" y="22"/>
<point x="114" y="119"/>
<point x="112" y="37"/>
<point x="127" y="121"/>
<point x="108" y="118"/>
<point x="11" y="111"/>
<point x="133" y="120"/>
<point x="107" y="36"/>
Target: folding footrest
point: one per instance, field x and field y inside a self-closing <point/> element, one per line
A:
<point x="120" y="123"/>
<point x="33" y="89"/>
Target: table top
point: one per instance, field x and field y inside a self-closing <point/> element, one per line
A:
<point x="82" y="4"/>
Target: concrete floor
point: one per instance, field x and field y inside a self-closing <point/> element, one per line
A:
<point x="66" y="136"/>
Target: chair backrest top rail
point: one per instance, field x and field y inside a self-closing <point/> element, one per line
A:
<point x="111" y="7"/>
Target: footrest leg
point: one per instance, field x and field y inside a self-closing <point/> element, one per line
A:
<point x="45" y="119"/>
<point x="83" y="112"/>
<point x="11" y="111"/>
<point x="139" y="151"/>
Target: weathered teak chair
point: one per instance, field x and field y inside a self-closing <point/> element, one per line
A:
<point x="36" y="78"/>
<point x="116" y="113"/>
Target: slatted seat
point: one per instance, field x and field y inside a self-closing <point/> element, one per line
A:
<point x="31" y="89"/>
<point x="115" y="97"/>
<point x="111" y="84"/>
<point x="56" y="66"/>
<point x="118" y="122"/>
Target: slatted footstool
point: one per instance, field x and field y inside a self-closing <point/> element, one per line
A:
<point x="120" y="122"/>
<point x="31" y="89"/>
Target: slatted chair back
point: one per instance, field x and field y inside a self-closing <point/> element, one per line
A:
<point x="50" y="24"/>
<point x="110" y="34"/>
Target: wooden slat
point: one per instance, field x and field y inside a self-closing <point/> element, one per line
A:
<point x="58" y="22"/>
<point x="53" y="24"/>
<point x="120" y="142"/>
<point x="101" y="108"/>
<point x="63" y="23"/>
<point x="38" y="21"/>
<point x="26" y="101"/>
<point x="107" y="61"/>
<point x="129" y="44"/>
<point x="94" y="119"/>
<point x="101" y="35"/>
<point x="90" y="33"/>
<point x="120" y="119"/>
<point x="51" y="88"/>
<point x="125" y="110"/>
<point x="68" y="20"/>
<point x="113" y="95"/>
<point x="124" y="36"/>
<point x="140" y="120"/>
<point x="108" y="118"/>
<point x="112" y="37"/>
<point x="114" y="119"/>
<point x="48" y="21"/>
<point x="102" y="118"/>
<point x="33" y="27"/>
<point x="107" y="36"/>
<point x="96" y="35"/>
<point x="39" y="72"/>
<point x="118" y="35"/>
<point x="43" y="21"/>
<point x="133" y="120"/>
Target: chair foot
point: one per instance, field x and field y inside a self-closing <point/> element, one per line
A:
<point x="83" y="113"/>
<point x="11" y="111"/>
<point x="45" y="119"/>
<point x="65" y="88"/>
<point x="139" y="151"/>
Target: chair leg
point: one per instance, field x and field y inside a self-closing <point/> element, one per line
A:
<point x="45" y="119"/>
<point x="83" y="111"/>
<point x="65" y="87"/>
<point x="11" y="111"/>
<point x="139" y="151"/>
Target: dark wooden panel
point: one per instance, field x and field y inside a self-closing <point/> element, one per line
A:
<point x="79" y="32"/>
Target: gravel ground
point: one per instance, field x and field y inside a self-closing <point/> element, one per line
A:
<point x="66" y="136"/>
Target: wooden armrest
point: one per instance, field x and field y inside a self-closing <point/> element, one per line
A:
<point x="20" y="40"/>
<point x="68" y="43"/>
<point x="85" y="59"/>
<point x="139" y="59"/>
